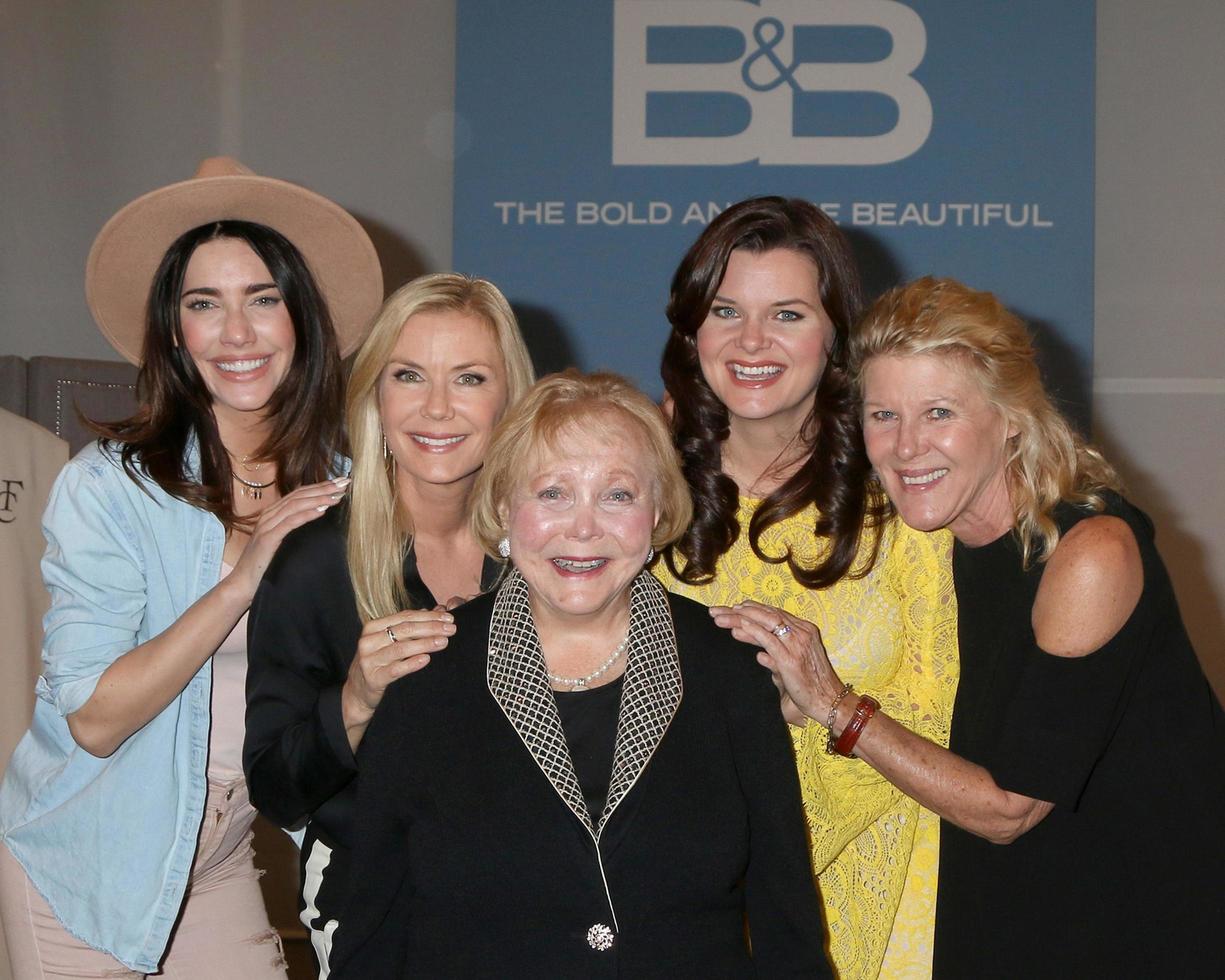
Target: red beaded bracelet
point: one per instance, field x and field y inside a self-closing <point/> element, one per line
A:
<point x="864" y="710"/>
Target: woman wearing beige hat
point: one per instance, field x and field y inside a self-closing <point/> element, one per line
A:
<point x="124" y="813"/>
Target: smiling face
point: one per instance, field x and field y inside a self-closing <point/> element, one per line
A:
<point x="939" y="447"/>
<point x="580" y="523"/>
<point x="764" y="343"/>
<point x="440" y="395"/>
<point x="235" y="328"/>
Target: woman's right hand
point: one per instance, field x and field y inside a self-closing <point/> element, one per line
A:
<point x="292" y="511"/>
<point x="389" y="648"/>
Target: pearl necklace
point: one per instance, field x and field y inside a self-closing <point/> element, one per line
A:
<point x="580" y="683"/>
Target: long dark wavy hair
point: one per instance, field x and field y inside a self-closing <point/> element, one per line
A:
<point x="306" y="410"/>
<point x="834" y="475"/>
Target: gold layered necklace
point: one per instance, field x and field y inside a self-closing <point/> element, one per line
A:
<point x="253" y="490"/>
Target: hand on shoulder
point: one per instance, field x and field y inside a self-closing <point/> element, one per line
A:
<point x="1089" y="588"/>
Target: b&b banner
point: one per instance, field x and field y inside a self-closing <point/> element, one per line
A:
<point x="596" y="138"/>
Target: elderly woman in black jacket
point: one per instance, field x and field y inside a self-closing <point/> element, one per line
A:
<point x="593" y="779"/>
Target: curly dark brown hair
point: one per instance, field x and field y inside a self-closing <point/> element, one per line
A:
<point x="834" y="475"/>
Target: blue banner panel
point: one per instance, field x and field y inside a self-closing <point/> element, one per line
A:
<point x="595" y="140"/>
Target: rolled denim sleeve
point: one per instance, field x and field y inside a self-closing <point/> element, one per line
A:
<point x="95" y="574"/>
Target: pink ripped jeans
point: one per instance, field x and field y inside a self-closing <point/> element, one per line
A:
<point x="223" y="930"/>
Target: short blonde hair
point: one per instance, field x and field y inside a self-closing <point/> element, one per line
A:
<point x="379" y="532"/>
<point x="602" y="403"/>
<point x="1048" y="462"/>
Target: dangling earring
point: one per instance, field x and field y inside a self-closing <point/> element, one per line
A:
<point x="650" y="555"/>
<point x="386" y="449"/>
<point x="504" y="547"/>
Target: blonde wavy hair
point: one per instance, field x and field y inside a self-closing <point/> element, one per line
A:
<point x="1048" y="461"/>
<point x="600" y="404"/>
<point x="379" y="530"/>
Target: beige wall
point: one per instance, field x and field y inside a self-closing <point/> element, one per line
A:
<point x="102" y="100"/>
<point x="1159" y="365"/>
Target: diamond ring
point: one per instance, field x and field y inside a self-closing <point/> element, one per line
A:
<point x="781" y="630"/>
<point x="391" y="636"/>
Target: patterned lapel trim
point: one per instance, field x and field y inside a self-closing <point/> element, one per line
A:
<point x="652" y="689"/>
<point x="651" y="694"/>
<point x="517" y="681"/>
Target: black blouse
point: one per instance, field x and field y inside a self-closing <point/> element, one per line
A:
<point x="1126" y="876"/>
<point x="589" y="719"/>
<point x="301" y="634"/>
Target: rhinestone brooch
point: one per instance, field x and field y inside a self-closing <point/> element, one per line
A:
<point x="600" y="937"/>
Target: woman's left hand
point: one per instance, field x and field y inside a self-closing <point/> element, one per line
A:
<point x="792" y="650"/>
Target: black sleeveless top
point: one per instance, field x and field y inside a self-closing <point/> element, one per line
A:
<point x="1126" y="876"/>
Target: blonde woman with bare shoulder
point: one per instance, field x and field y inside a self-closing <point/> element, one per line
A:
<point x="1082" y="792"/>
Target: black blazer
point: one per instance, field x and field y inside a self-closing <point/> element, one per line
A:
<point x="475" y="855"/>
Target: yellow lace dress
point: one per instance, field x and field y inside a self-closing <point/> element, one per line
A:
<point x="893" y="634"/>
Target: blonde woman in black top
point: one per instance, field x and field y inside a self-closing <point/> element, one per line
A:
<point x="1083" y="790"/>
<point x="363" y="598"/>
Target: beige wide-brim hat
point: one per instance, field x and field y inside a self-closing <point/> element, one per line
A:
<point x="130" y="246"/>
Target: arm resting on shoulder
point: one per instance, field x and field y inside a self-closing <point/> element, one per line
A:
<point x="139" y="685"/>
<point x="371" y="939"/>
<point x="105" y="684"/>
<point x="1089" y="589"/>
<point x="958" y="790"/>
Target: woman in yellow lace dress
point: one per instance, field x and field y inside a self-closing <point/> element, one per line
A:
<point x="765" y="421"/>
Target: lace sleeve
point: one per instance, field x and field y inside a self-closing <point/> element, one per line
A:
<point x="863" y="830"/>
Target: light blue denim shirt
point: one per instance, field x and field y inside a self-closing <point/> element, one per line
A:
<point x="109" y="843"/>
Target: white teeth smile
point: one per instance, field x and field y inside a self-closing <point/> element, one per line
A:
<point x="744" y="372"/>
<point x="448" y="441"/>
<point x="570" y="565"/>
<point x="932" y="477"/>
<point x="238" y="367"/>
